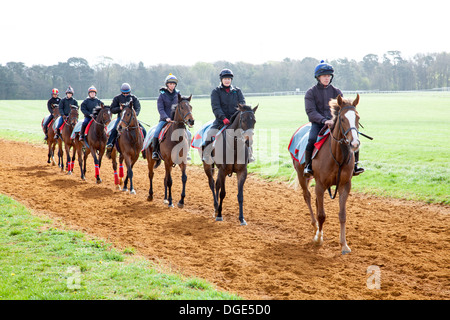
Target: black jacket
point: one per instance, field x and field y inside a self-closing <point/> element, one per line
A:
<point x="224" y="103"/>
<point x="64" y="106"/>
<point x="316" y="102"/>
<point x="121" y="99"/>
<point x="88" y="105"/>
<point x="51" y="102"/>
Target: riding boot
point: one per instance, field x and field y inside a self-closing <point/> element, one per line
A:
<point x="308" y="172"/>
<point x="46" y="133"/>
<point x="83" y="128"/>
<point x="57" y="135"/>
<point x="155" y="148"/>
<point x="357" y="170"/>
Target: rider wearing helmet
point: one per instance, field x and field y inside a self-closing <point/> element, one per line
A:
<point x="318" y="111"/>
<point x="55" y="99"/>
<point x="168" y="96"/>
<point x="64" y="109"/>
<point x="87" y="107"/>
<point x="116" y="108"/>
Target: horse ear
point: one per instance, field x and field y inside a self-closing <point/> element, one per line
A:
<point x="179" y="97"/>
<point x="356" y="101"/>
<point x="190" y="97"/>
<point x="255" y="108"/>
<point x="131" y="103"/>
<point x="339" y="100"/>
<point x="102" y="105"/>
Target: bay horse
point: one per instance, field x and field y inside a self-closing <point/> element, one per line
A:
<point x="51" y="141"/>
<point x="95" y="139"/>
<point x="333" y="165"/>
<point x="235" y="160"/>
<point x="173" y="149"/>
<point x="66" y="133"/>
<point x="129" y="144"/>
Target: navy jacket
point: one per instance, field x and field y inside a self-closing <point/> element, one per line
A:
<point x="64" y="106"/>
<point x="165" y="102"/>
<point x="88" y="105"/>
<point x="224" y="103"/>
<point x="316" y="102"/>
<point x="51" y="102"/>
<point x="115" y="105"/>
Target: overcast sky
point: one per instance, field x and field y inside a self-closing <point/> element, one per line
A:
<point x="185" y="32"/>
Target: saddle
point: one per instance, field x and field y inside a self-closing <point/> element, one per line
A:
<point x="299" y="141"/>
<point x="151" y="133"/>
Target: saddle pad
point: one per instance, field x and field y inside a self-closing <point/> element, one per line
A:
<point x="201" y="135"/>
<point x="55" y="122"/>
<point x="76" y="129"/>
<point x="111" y="126"/>
<point x="299" y="141"/>
<point x="148" y="138"/>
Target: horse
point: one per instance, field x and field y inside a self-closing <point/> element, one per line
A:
<point x="95" y="139"/>
<point x="51" y="141"/>
<point x="173" y="150"/>
<point x="333" y="165"/>
<point x="235" y="160"/>
<point x="129" y="145"/>
<point x="66" y="133"/>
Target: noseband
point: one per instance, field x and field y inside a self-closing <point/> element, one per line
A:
<point x="184" y="120"/>
<point x="344" y="139"/>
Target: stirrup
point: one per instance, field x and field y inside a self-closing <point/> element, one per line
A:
<point x="357" y="171"/>
<point x="307" y="172"/>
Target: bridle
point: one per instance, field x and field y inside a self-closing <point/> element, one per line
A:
<point x="184" y="117"/>
<point x="344" y="139"/>
<point x="127" y="124"/>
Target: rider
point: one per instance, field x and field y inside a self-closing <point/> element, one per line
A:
<point x="168" y="96"/>
<point x="64" y="109"/>
<point x="123" y="98"/>
<point x="224" y="100"/>
<point x="87" y="107"/>
<point x="318" y="111"/>
<point x="55" y="99"/>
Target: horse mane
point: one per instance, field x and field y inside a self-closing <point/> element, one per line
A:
<point x="96" y="111"/>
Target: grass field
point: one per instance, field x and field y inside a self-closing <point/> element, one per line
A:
<point x="38" y="261"/>
<point x="408" y="158"/>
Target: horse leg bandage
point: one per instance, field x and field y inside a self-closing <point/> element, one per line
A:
<point x="97" y="170"/>
<point x="116" y="178"/>
<point x="121" y="170"/>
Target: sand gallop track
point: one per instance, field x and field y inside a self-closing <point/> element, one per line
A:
<point x="271" y="258"/>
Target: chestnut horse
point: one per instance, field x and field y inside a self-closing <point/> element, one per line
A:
<point x="95" y="140"/>
<point x="234" y="159"/>
<point x="51" y="141"/>
<point x="129" y="144"/>
<point x="333" y="165"/>
<point x="173" y="149"/>
<point x="66" y="132"/>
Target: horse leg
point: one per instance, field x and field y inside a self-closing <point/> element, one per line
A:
<point x="97" y="168"/>
<point x="220" y="190"/>
<point x="80" y="161"/>
<point x="68" y="162"/>
<point x="130" y="176"/>
<point x="183" y="180"/>
<point x="50" y="154"/>
<point x="209" y="170"/>
<point x="114" y="164"/>
<point x="304" y="183"/>
<point x="343" y="195"/>
<point x="318" y="238"/>
<point x="150" y="163"/>
<point x="241" y="177"/>
<point x="60" y="155"/>
<point x="124" y="181"/>
<point x="168" y="184"/>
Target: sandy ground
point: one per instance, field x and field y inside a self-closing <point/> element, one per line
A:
<point x="273" y="257"/>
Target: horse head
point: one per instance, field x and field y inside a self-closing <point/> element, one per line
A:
<point x="129" y="118"/>
<point x="102" y="114"/>
<point x="183" y="111"/>
<point x="55" y="110"/>
<point x="245" y="118"/>
<point x="346" y="121"/>
<point x="73" y="115"/>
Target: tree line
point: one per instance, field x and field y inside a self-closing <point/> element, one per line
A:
<point x="389" y="72"/>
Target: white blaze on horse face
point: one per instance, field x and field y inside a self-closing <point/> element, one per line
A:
<point x="351" y="116"/>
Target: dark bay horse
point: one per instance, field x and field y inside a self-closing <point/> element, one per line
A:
<point x="95" y="140"/>
<point x="173" y="149"/>
<point x="129" y="143"/>
<point x="66" y="132"/>
<point x="234" y="158"/>
<point x="333" y="165"/>
<point x="51" y="141"/>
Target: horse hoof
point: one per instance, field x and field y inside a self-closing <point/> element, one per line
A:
<point x="69" y="173"/>
<point x="99" y="181"/>
<point x="150" y="198"/>
<point x="124" y="190"/>
<point x="346" y="250"/>
<point x="219" y="218"/>
<point x="166" y="201"/>
<point x="133" y="191"/>
<point x="180" y="205"/>
<point x="171" y="206"/>
<point x="243" y="222"/>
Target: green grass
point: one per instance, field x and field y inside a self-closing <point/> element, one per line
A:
<point x="41" y="262"/>
<point x="408" y="158"/>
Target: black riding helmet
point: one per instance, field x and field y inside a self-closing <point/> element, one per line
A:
<point x="226" y="73"/>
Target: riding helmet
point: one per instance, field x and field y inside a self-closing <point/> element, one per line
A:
<point x="69" y="90"/>
<point x="323" y="68"/>
<point x="55" y="91"/>
<point x="92" y="89"/>
<point x="125" y="88"/>
<point x="226" y="73"/>
<point x="171" y="79"/>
